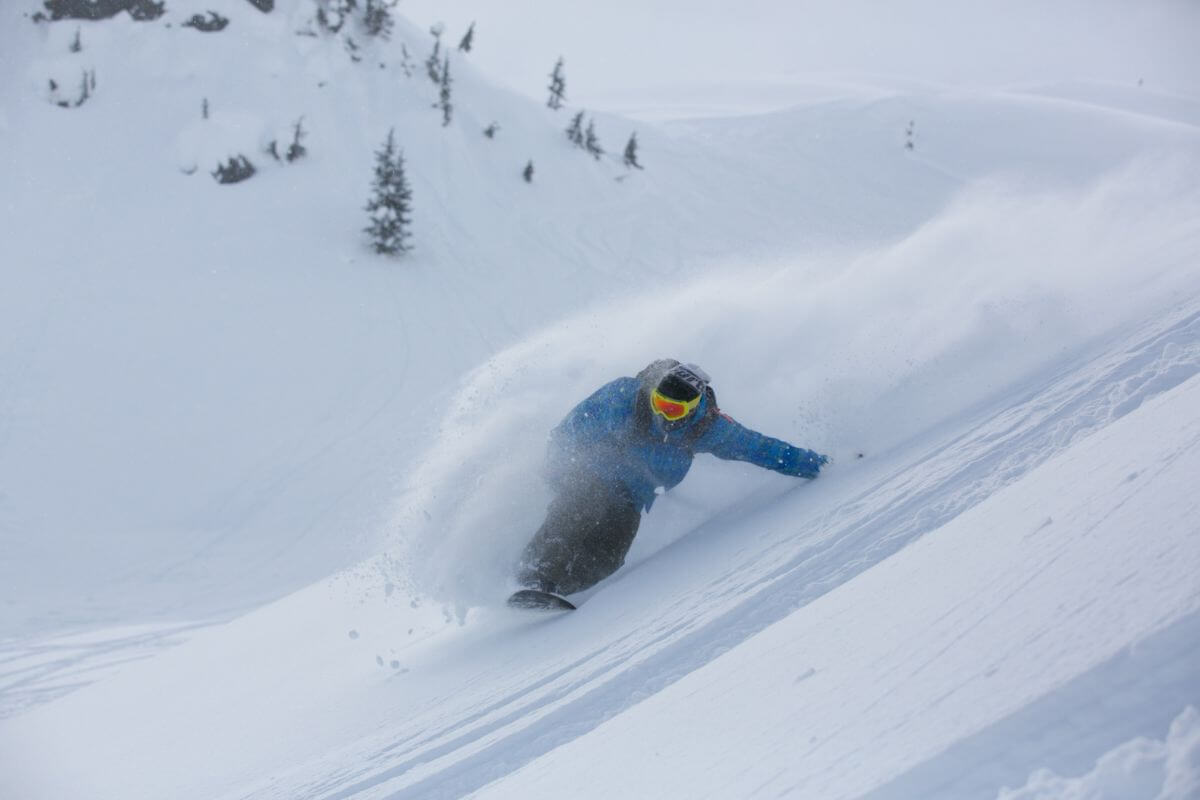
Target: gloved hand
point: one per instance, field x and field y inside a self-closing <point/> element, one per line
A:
<point x="810" y="464"/>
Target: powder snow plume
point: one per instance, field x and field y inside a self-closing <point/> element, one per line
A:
<point x="840" y="352"/>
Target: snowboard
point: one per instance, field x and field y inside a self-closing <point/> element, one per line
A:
<point x="542" y="601"/>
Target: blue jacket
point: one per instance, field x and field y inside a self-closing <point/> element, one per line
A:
<point x="612" y="435"/>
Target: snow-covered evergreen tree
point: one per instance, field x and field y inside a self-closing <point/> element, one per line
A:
<point x="333" y="14"/>
<point x="390" y="206"/>
<point x="377" y="19"/>
<point x="468" y="39"/>
<point x="631" y="148"/>
<point x="444" y="93"/>
<point x="433" y="64"/>
<point x="406" y="63"/>
<point x="296" y="149"/>
<point x="87" y="85"/>
<point x="558" y="86"/>
<point x="575" y="130"/>
<point x="527" y="173"/>
<point x="591" y="142"/>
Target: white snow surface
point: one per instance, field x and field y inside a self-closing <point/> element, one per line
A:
<point x="261" y="489"/>
<point x="1142" y="767"/>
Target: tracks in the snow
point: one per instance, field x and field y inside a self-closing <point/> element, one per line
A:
<point x="451" y="755"/>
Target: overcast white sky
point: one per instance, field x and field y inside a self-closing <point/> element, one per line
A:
<point x="619" y="52"/>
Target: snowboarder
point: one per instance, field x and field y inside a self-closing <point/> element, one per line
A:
<point x="615" y="450"/>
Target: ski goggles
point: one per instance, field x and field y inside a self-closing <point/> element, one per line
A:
<point x="672" y="410"/>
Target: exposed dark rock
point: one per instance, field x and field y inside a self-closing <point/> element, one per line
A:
<point x="142" y="10"/>
<point x="235" y="170"/>
<point x="211" y="24"/>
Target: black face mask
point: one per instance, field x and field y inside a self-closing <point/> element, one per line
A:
<point x="670" y="426"/>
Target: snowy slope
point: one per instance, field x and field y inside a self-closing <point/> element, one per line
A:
<point x="683" y="58"/>
<point x="233" y="393"/>
<point x="236" y="390"/>
<point x="839" y="658"/>
<point x="262" y="489"/>
<point x="971" y="624"/>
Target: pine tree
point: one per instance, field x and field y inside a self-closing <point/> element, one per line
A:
<point x="591" y="141"/>
<point x="332" y="14"/>
<point x="296" y="149"/>
<point x="406" y="63"/>
<point x="631" y="151"/>
<point x="444" y="93"/>
<point x="390" y="206"/>
<point x="575" y="130"/>
<point x="468" y="39"/>
<point x="558" y="86"/>
<point x="434" y="62"/>
<point x="377" y="19"/>
<point x="87" y="85"/>
<point x="527" y="173"/>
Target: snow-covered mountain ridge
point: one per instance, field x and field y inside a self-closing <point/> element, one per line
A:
<point x="228" y="427"/>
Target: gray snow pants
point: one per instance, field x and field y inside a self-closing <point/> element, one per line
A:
<point x="588" y="531"/>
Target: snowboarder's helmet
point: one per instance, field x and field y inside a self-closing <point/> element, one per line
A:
<point x="679" y="392"/>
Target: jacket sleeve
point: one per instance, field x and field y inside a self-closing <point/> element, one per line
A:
<point x="730" y="440"/>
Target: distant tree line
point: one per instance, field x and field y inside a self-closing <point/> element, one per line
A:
<point x="390" y="205"/>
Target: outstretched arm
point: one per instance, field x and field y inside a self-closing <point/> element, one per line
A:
<point x="730" y="440"/>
